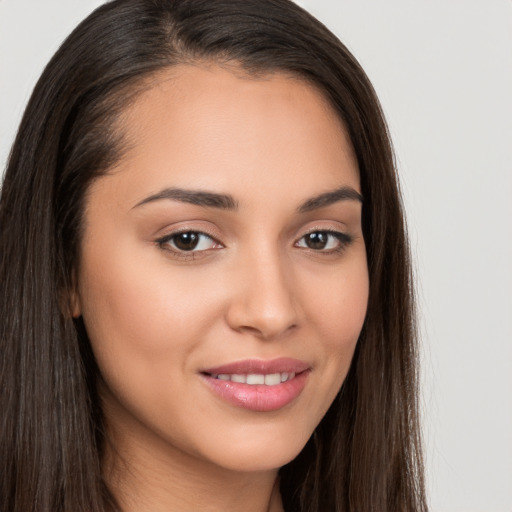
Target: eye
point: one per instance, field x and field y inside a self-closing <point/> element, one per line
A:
<point x="327" y="241"/>
<point x="188" y="241"/>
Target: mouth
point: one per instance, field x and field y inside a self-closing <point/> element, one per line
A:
<point x="282" y="366"/>
<point x="253" y="379"/>
<point x="258" y="385"/>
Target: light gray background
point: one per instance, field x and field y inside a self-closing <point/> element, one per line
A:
<point x="443" y="71"/>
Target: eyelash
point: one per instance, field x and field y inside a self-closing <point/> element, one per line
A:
<point x="165" y="244"/>
<point x="344" y="240"/>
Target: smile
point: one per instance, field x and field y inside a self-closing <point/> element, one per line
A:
<point x="271" y="379"/>
<point x="258" y="385"/>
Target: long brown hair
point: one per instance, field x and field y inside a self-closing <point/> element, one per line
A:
<point x="365" y="455"/>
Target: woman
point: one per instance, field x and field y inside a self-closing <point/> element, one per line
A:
<point x="207" y="295"/>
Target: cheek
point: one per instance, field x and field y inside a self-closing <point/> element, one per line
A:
<point x="338" y="314"/>
<point x="145" y="323"/>
<point x="146" y="317"/>
<point x="341" y="301"/>
<point x="133" y="313"/>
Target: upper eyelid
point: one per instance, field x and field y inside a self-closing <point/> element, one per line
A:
<point x="179" y="231"/>
<point x="324" y="230"/>
<point x="167" y="235"/>
<point x="325" y="224"/>
<point x="342" y="236"/>
<point x="215" y="237"/>
<point x="332" y="231"/>
<point x="164" y="244"/>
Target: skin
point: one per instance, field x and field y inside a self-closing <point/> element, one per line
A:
<point x="255" y="290"/>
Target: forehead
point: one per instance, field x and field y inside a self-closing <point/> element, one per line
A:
<point x="210" y="126"/>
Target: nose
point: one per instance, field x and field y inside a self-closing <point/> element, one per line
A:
<point x="263" y="302"/>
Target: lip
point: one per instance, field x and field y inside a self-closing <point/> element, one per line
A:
<point x="265" y="367"/>
<point x="259" y="397"/>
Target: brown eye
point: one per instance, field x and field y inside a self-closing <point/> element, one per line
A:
<point x="317" y="240"/>
<point x="325" y="241"/>
<point x="188" y="241"/>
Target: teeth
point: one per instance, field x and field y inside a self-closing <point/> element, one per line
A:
<point x="271" y="379"/>
<point x="255" y="379"/>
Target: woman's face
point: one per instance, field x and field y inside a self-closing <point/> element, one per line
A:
<point x="223" y="278"/>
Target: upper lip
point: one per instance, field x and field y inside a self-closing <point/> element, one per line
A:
<point x="260" y="366"/>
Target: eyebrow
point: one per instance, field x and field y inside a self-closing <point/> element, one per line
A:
<point x="227" y="202"/>
<point x="197" y="197"/>
<point x="331" y="197"/>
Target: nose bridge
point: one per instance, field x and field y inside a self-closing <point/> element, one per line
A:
<point x="264" y="303"/>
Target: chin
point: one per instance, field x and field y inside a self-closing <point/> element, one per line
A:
<point x="256" y="453"/>
<point x="261" y="462"/>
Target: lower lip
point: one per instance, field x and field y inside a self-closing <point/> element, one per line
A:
<point x="258" y="397"/>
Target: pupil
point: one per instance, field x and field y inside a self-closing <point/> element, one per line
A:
<point x="316" y="240"/>
<point x="186" y="241"/>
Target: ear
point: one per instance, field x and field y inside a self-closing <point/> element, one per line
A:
<point x="74" y="304"/>
<point x="73" y="298"/>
